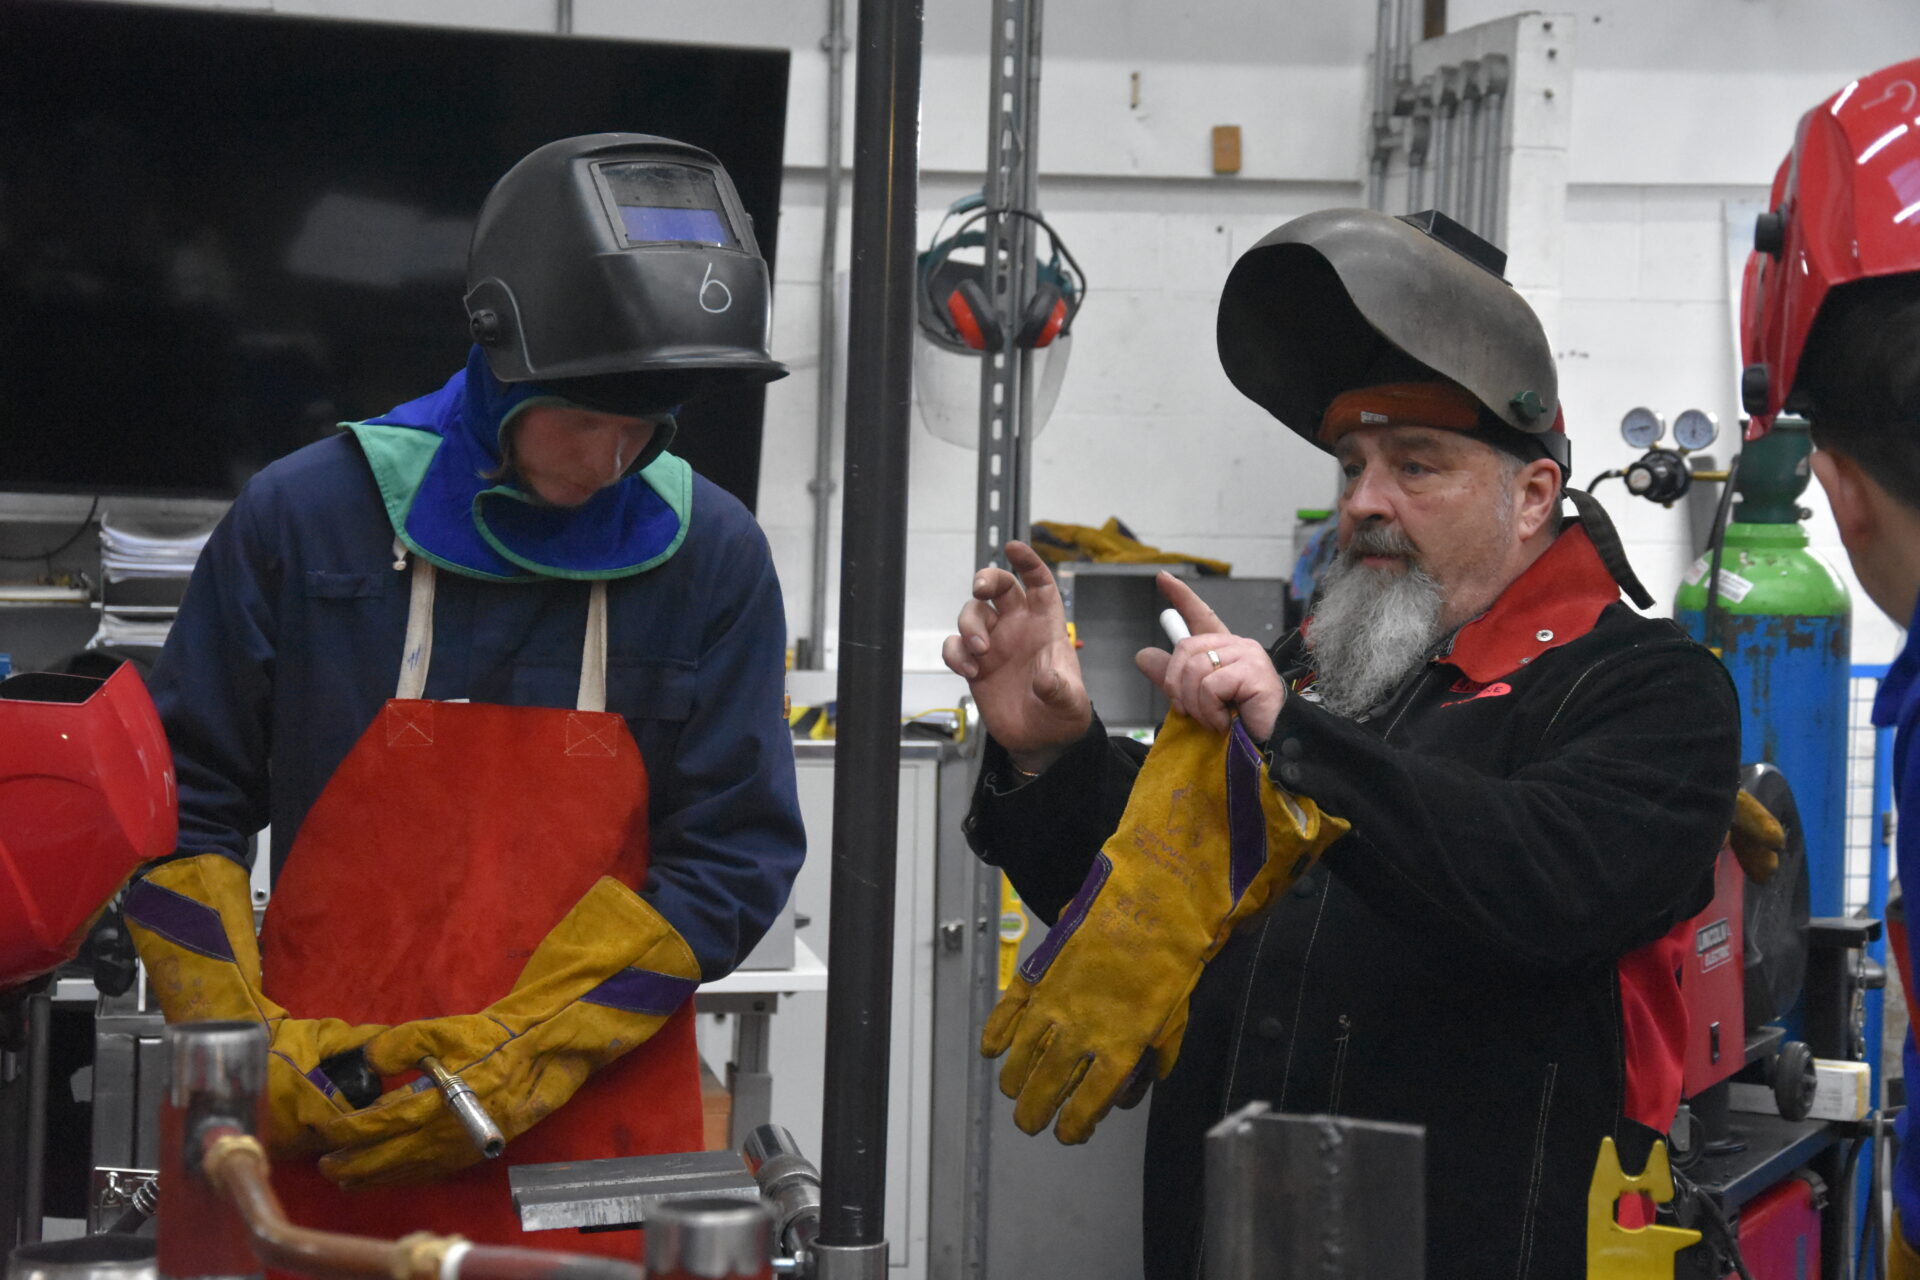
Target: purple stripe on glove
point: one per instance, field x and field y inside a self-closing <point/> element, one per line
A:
<point x="1246" y="821"/>
<point x="178" y="919"/>
<point x="642" y="991"/>
<point x="1037" y="964"/>
<point x="319" y="1079"/>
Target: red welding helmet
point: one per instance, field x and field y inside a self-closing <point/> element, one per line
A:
<point x="86" y="795"/>
<point x="1845" y="207"/>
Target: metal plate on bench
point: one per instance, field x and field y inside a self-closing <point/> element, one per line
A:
<point x="615" y="1193"/>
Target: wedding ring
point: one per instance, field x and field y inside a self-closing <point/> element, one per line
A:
<point x="1214" y="658"/>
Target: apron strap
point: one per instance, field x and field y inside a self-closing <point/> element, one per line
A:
<point x="593" y="653"/>
<point x="417" y="652"/>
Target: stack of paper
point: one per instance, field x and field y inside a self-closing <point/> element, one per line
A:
<point x="130" y="551"/>
<point x="151" y="552"/>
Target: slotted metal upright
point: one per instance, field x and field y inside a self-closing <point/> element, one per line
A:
<point x="1006" y="387"/>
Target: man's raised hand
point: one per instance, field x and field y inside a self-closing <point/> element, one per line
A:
<point x="1013" y="649"/>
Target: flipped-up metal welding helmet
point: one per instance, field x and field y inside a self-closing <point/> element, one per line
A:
<point x="619" y="270"/>
<point x="1350" y="298"/>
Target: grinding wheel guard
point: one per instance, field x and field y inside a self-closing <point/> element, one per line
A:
<point x="600" y="984"/>
<point x="192" y="922"/>
<point x="1206" y="842"/>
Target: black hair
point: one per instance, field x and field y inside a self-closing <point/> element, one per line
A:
<point x="1859" y="380"/>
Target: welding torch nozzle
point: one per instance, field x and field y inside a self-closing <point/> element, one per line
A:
<point x="473" y="1117"/>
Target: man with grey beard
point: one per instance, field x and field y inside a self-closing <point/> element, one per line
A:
<point x="1534" y="782"/>
<point x="1372" y="627"/>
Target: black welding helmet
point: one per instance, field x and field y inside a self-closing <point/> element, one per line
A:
<point x="1350" y="298"/>
<point x="619" y="270"/>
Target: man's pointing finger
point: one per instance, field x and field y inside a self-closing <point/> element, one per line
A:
<point x="1199" y="618"/>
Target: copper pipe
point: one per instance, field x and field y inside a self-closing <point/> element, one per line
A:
<point x="237" y="1166"/>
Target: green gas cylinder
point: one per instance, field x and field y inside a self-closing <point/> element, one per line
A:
<point x="1782" y="622"/>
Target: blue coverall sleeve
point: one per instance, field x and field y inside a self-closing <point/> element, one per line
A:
<point x="727" y="840"/>
<point x="213" y="683"/>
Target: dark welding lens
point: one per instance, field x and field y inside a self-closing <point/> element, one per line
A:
<point x="668" y="202"/>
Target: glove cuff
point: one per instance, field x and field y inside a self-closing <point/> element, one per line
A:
<point x="191" y="920"/>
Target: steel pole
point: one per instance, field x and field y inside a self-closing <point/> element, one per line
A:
<point x="811" y="653"/>
<point x="873" y="531"/>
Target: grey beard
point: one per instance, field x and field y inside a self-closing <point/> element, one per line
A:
<point x="1370" y="631"/>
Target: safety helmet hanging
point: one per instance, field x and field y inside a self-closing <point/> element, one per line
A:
<point x="620" y="271"/>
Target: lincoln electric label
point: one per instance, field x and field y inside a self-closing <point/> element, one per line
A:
<point x="1713" y="943"/>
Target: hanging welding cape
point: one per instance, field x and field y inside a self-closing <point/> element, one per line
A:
<point x="445" y="850"/>
<point x="435" y="460"/>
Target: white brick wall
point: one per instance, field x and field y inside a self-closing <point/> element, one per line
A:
<point x="1676" y="109"/>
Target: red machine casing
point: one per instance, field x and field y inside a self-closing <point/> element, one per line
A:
<point x="1780" y="1233"/>
<point x="1848" y="200"/>
<point x="86" y="795"/>
<point x="1713" y="983"/>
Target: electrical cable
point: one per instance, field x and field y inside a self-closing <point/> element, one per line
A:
<point x="1710" y="1209"/>
<point x="1845" y="1190"/>
<point x="48" y="556"/>
<point x="1717" y="545"/>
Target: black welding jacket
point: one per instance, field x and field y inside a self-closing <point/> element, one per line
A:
<point x="1532" y="806"/>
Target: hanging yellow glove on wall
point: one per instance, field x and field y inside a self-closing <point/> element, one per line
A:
<point x="1205" y="842"/>
<point x="600" y="983"/>
<point x="192" y="923"/>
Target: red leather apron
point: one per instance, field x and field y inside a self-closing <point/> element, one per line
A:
<point x="447" y="844"/>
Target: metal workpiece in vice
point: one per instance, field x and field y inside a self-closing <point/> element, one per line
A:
<point x="1781" y="618"/>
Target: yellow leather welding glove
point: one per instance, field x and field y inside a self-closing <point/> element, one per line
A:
<point x="1206" y="841"/>
<point x="603" y="981"/>
<point x="1757" y="838"/>
<point x="192" y="923"/>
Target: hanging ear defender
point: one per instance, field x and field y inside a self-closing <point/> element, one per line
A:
<point x="1045" y="316"/>
<point x="972" y="314"/>
<point x="955" y="310"/>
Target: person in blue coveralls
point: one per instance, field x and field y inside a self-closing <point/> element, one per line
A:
<point x="506" y="679"/>
<point x="1831" y="330"/>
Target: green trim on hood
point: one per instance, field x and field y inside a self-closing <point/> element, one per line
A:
<point x="399" y="457"/>
<point x="667" y="475"/>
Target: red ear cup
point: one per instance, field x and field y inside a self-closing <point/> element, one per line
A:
<point x="1040" y="323"/>
<point x="973" y="317"/>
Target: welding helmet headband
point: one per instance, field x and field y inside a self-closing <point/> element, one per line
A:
<point x="1350" y="298"/>
<point x="620" y="270"/>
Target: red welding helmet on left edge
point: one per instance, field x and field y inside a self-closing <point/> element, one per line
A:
<point x="86" y="795"/>
<point x="1845" y="207"/>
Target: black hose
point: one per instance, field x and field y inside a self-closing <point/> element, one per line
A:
<point x="1716" y="546"/>
<point x="1615" y="474"/>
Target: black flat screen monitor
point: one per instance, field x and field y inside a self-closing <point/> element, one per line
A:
<point x="223" y="233"/>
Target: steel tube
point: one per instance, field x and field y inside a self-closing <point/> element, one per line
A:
<point x="812" y="652"/>
<point x="873" y="532"/>
<point x="39" y="1012"/>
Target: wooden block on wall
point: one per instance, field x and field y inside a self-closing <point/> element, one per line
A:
<point x="1226" y="148"/>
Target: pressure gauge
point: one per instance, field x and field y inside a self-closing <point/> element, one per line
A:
<point x="1695" y="429"/>
<point x="1642" y="428"/>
